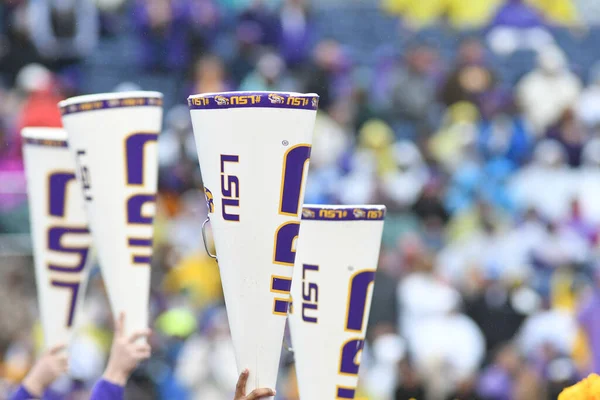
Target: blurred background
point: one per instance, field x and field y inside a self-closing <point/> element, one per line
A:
<point x="477" y="122"/>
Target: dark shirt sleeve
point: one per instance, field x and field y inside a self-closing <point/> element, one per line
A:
<point x="22" y="394"/>
<point x="104" y="390"/>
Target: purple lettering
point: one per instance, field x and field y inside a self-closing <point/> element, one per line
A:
<point x="281" y="284"/>
<point x="281" y="306"/>
<point x="359" y="289"/>
<point x="284" y="239"/>
<point x="55" y="235"/>
<point x="230" y="203"/>
<point x="58" y="191"/>
<point x="310" y="294"/>
<point x="345" y="393"/>
<point x="306" y="318"/>
<point x="134" y="209"/>
<point x="74" y="288"/>
<point x="134" y="150"/>
<point x="230" y="189"/>
<point x="348" y="364"/>
<point x="293" y="175"/>
<point x="308" y="267"/>
<point x="135" y="156"/>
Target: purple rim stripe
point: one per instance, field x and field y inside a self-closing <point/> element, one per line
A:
<point x="114" y="103"/>
<point x="343" y="214"/>
<point x="46" y="142"/>
<point x="253" y="99"/>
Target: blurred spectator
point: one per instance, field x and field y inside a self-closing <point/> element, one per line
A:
<point x="505" y="136"/>
<point x="17" y="49"/>
<point x="546" y="334"/>
<point x="372" y="159"/>
<point x="449" y="361"/>
<point x="517" y="14"/>
<point x="586" y="190"/>
<point x="64" y="31"/>
<point x="111" y="16"/>
<point x="402" y="185"/>
<point x="177" y="156"/>
<point x="41" y="96"/>
<point x="325" y="71"/>
<point x="416" y="14"/>
<point x="411" y="385"/>
<point x="36" y="106"/>
<point x="296" y="32"/>
<point x="471" y="80"/>
<point x="263" y="19"/>
<point x="589" y="319"/>
<point x="207" y="365"/>
<point x="330" y="142"/>
<point x="384" y="315"/>
<point x="588" y="105"/>
<point x="529" y="186"/>
<point x="269" y="75"/>
<point x="472" y="15"/>
<point x="412" y="90"/>
<point x="561" y="12"/>
<point x="457" y="134"/>
<point x="429" y="208"/>
<point x="414" y="306"/>
<point x="517" y="25"/>
<point x="549" y="90"/>
<point x="494" y="301"/>
<point x="420" y="14"/>
<point x="247" y="36"/>
<point x="588" y="11"/>
<point x="209" y="76"/>
<point x="509" y="377"/>
<point x="162" y="28"/>
<point x="571" y="134"/>
<point x="386" y="351"/>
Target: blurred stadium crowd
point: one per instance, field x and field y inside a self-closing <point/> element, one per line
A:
<point x="476" y="122"/>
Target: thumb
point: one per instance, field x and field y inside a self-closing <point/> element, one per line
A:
<point x="120" y="325"/>
<point x="56" y="349"/>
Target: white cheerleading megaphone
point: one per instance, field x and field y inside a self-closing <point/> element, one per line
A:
<point x="113" y="140"/>
<point x="59" y="231"/>
<point x="254" y="149"/>
<point x="337" y="257"/>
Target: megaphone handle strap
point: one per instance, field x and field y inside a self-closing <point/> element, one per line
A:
<point x="204" y="239"/>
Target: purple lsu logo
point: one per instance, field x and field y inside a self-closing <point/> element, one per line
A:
<point x="210" y="200"/>
<point x="358" y="213"/>
<point x="276" y="99"/>
<point x="65" y="276"/>
<point x="221" y="101"/>
<point x="355" y="319"/>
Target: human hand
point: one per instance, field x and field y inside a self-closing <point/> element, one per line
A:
<point x="240" y="389"/>
<point x="125" y="353"/>
<point x="49" y="367"/>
